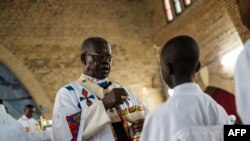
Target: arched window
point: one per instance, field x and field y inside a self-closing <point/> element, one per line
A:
<point x="14" y="95"/>
<point x="174" y="8"/>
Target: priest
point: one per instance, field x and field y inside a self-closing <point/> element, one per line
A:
<point x="89" y="109"/>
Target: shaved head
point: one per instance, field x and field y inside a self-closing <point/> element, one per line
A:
<point x="179" y="57"/>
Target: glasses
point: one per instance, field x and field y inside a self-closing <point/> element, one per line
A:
<point x="101" y="57"/>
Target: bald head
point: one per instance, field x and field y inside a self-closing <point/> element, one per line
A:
<point x="93" y="42"/>
<point x="179" y="58"/>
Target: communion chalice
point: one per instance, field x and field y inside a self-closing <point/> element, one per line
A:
<point x="134" y="114"/>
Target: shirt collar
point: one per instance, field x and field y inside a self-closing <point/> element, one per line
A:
<point x="24" y="117"/>
<point x="97" y="81"/>
<point x="186" y="88"/>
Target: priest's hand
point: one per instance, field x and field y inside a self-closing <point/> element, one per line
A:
<point x="137" y="127"/>
<point x="115" y="97"/>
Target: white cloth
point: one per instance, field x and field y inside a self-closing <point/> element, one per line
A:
<point x="39" y="136"/>
<point x="200" y="133"/>
<point x="33" y="130"/>
<point x="29" y="124"/>
<point x="242" y="84"/>
<point x="94" y="119"/>
<point x="188" y="107"/>
<point x="10" y="129"/>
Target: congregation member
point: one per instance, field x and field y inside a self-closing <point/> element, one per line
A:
<point x="189" y="106"/>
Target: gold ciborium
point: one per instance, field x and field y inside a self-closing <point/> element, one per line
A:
<point x="133" y="115"/>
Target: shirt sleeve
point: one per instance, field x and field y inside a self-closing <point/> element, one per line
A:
<point x="96" y="118"/>
<point x="63" y="107"/>
<point x="92" y="119"/>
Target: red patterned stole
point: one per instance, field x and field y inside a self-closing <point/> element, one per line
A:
<point x="74" y="123"/>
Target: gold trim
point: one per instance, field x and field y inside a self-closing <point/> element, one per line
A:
<point x="123" y="98"/>
<point x="133" y="109"/>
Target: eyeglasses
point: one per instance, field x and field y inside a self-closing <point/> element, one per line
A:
<point x="101" y="57"/>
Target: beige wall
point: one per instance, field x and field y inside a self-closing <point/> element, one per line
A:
<point x="233" y="11"/>
<point x="210" y="24"/>
<point x="27" y="79"/>
<point x="45" y="36"/>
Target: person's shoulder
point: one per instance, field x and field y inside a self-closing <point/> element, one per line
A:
<point x="68" y="87"/>
<point x="163" y="109"/>
<point x="33" y="120"/>
<point x="21" y="118"/>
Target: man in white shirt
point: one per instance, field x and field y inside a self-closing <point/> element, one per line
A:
<point x="32" y="127"/>
<point x="89" y="109"/>
<point x="29" y="123"/>
<point x="188" y="106"/>
<point x="10" y="128"/>
<point x="242" y="69"/>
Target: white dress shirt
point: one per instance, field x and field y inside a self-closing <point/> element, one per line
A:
<point x="188" y="107"/>
<point x="242" y="84"/>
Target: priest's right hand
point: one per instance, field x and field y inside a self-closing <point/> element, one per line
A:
<point x="114" y="97"/>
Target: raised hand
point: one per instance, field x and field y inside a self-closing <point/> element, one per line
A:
<point x="115" y="97"/>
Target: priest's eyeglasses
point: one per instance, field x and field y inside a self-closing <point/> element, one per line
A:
<point x="101" y="57"/>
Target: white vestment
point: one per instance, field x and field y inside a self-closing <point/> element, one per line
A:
<point x="188" y="107"/>
<point x="242" y="84"/>
<point x="10" y="128"/>
<point x="33" y="129"/>
<point x="29" y="124"/>
<point x="79" y="114"/>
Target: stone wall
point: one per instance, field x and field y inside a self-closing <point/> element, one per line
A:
<point x="210" y="24"/>
<point x="46" y="37"/>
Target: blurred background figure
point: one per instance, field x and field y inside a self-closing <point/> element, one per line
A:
<point x="242" y="69"/>
<point x="32" y="127"/>
<point x="10" y="129"/>
<point x="29" y="123"/>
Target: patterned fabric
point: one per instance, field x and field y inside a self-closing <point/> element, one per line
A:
<point x="70" y="88"/>
<point x="104" y="84"/>
<point x="124" y="123"/>
<point x="86" y="97"/>
<point x="74" y="123"/>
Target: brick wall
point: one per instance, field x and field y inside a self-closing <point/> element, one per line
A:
<point x="46" y="37"/>
<point x="210" y="24"/>
<point x="233" y="11"/>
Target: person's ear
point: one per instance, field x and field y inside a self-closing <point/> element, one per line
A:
<point x="198" y="67"/>
<point x="83" y="59"/>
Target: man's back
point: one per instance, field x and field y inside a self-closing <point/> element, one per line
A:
<point x="188" y="107"/>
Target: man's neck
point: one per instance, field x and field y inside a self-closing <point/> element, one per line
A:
<point x="183" y="79"/>
<point x="95" y="80"/>
<point x="26" y="117"/>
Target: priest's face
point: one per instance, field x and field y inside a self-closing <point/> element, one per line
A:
<point x="98" y="61"/>
<point x="244" y="8"/>
<point x="29" y="112"/>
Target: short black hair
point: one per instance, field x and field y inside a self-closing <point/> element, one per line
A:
<point x="183" y="52"/>
<point x="1" y="101"/>
<point x="29" y="106"/>
<point x="92" y="41"/>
